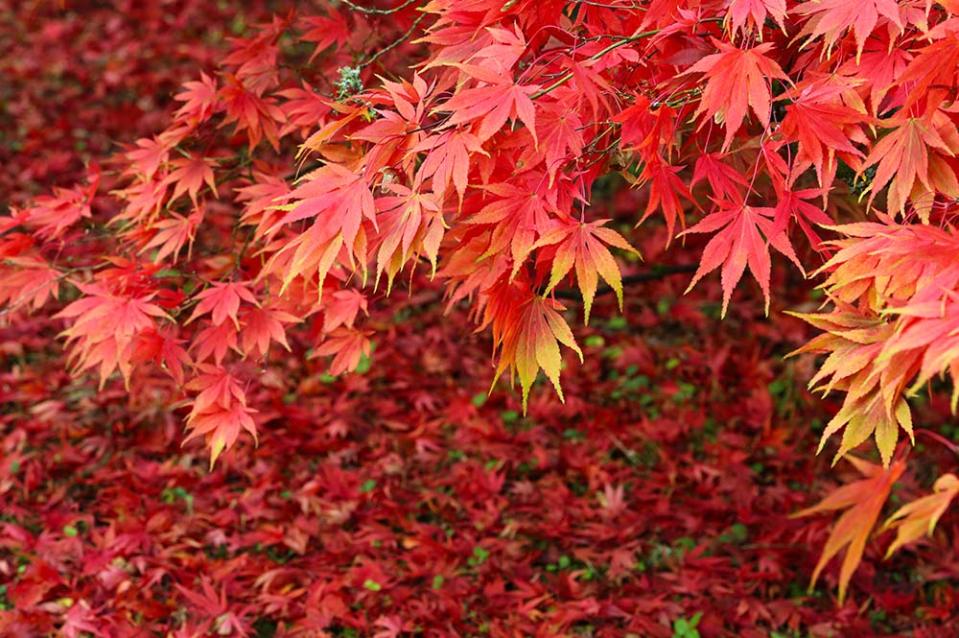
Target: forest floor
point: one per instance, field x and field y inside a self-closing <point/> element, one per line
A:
<point x="406" y="501"/>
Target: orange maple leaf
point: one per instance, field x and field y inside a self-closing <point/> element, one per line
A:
<point x="665" y="187"/>
<point x="863" y="501"/>
<point x="342" y="308"/>
<point x="263" y="325"/>
<point x="527" y="330"/>
<point x="199" y="99"/>
<point x="411" y="223"/>
<point x="337" y="200"/>
<point x="747" y="15"/>
<point x="492" y="104"/>
<point x="822" y="125"/>
<point x="173" y="233"/>
<point x="915" y="519"/>
<point x="30" y="282"/>
<point x="582" y="245"/>
<point x="911" y="160"/>
<point x="448" y="159"/>
<point x="874" y="405"/>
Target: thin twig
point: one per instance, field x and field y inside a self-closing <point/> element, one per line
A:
<point x="377" y="12"/>
<point x="373" y="58"/>
<point x="654" y="274"/>
<point x="563" y="79"/>
<point x="941" y="440"/>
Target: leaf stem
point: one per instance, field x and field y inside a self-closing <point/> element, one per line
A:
<point x="563" y="79"/>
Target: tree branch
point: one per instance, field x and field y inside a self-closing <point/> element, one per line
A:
<point x="376" y="12"/>
<point x="403" y="38"/>
<point x="654" y="274"/>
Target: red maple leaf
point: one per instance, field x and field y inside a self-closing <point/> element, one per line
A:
<point x="737" y="79"/>
<point x="739" y="244"/>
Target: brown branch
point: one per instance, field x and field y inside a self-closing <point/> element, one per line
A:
<point x="403" y="38"/>
<point x="376" y="12"/>
<point x="654" y="274"/>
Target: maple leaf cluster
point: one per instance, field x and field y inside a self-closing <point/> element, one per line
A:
<point x="294" y="187"/>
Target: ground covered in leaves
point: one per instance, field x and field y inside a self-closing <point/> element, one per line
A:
<point x="404" y="501"/>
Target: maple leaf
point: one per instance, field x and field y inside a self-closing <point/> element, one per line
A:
<point x="223" y="301"/>
<point x="738" y="244"/>
<point x="163" y="348"/>
<point x="737" y="79"/>
<point x="199" y="98"/>
<point x="173" y="233"/>
<point x="493" y="104"/>
<point x="562" y="138"/>
<point x="148" y="156"/>
<point x="516" y="213"/>
<point x="53" y="215"/>
<point x="832" y="18"/>
<point x="221" y="428"/>
<point x="188" y="176"/>
<point x="348" y="347"/>
<point x="791" y="206"/>
<point x="143" y="198"/>
<point x="648" y="129"/>
<point x="258" y="116"/>
<point x="317" y="140"/>
<point x="338" y="201"/>
<point x="104" y="329"/>
<point x="817" y="119"/>
<point x="261" y="325"/>
<point x="410" y="223"/>
<point x="748" y="15"/>
<point x="303" y="108"/>
<point x="874" y="405"/>
<point x="216" y="341"/>
<point x="261" y="199"/>
<point x="223" y="621"/>
<point x="342" y="307"/>
<point x="910" y="159"/>
<point x="390" y="627"/>
<point x="504" y="52"/>
<point x="581" y="245"/>
<point x="448" y="159"/>
<point x="527" y="330"/>
<point x="219" y="412"/>
<point x="325" y="31"/>
<point x="30" y="283"/>
<point x="863" y="501"/>
<point x="469" y="271"/>
<point x="665" y="187"/>
<point x="918" y="518"/>
<point x="81" y="621"/>
<point x="725" y="181"/>
<point x="254" y="61"/>
<point x="932" y="72"/>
